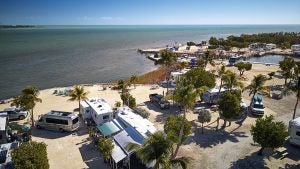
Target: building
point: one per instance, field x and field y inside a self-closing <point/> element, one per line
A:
<point x="5" y="154"/>
<point x="177" y="74"/>
<point x="257" y="46"/>
<point x="296" y="49"/>
<point x="270" y="46"/>
<point x="127" y="127"/>
<point x="96" y="109"/>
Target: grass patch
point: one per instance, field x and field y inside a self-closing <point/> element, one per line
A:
<point x="153" y="76"/>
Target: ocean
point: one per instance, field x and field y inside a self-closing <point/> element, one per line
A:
<point x="54" y="56"/>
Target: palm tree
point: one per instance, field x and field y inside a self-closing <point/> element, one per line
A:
<point x="294" y="89"/>
<point x="157" y="148"/>
<point x="105" y="147"/>
<point x="208" y="58"/>
<point x="133" y="80"/>
<point x="27" y="100"/>
<point x="78" y="93"/>
<point x="232" y="80"/>
<point x="221" y="73"/>
<point x="186" y="95"/>
<point x="257" y="85"/>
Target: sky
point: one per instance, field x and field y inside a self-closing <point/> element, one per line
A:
<point x="148" y="12"/>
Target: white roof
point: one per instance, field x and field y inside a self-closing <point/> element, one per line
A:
<point x="3" y="122"/>
<point x="100" y="106"/>
<point x="140" y="124"/>
<point x="84" y="104"/>
<point x="295" y="122"/>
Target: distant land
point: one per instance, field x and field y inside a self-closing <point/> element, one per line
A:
<point x="17" y="26"/>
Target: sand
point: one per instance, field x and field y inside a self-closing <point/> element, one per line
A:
<point x="229" y="148"/>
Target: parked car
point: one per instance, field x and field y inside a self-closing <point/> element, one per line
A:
<point x="15" y="113"/>
<point x="257" y="107"/>
<point x="157" y="99"/>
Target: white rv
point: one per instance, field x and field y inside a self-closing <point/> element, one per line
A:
<point x="212" y="96"/>
<point x="296" y="49"/>
<point x="97" y="109"/>
<point x="294" y="130"/>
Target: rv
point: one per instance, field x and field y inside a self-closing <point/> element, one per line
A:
<point x="257" y="107"/>
<point x="58" y="120"/>
<point x="3" y="127"/>
<point x="212" y="96"/>
<point x="96" y="109"/>
<point x="294" y="130"/>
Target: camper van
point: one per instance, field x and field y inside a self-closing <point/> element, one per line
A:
<point x="294" y="130"/>
<point x="58" y="120"/>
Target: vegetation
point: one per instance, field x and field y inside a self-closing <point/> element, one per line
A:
<point x="142" y="112"/>
<point x="157" y="148"/>
<point x="122" y="85"/>
<point x="77" y="94"/>
<point x="199" y="77"/>
<point x="229" y="105"/>
<point x="208" y="59"/>
<point x="185" y="94"/>
<point x="257" y="85"/>
<point x="294" y="88"/>
<point x="27" y="100"/>
<point x="281" y="39"/>
<point x="271" y="74"/>
<point x="204" y="116"/>
<point x="232" y="80"/>
<point x="30" y="155"/>
<point x="118" y="104"/>
<point x="128" y="100"/>
<point x="243" y="66"/>
<point x="287" y="66"/>
<point x="269" y="134"/>
<point x="152" y="77"/>
<point x="172" y="129"/>
<point x="191" y="43"/>
<point x="133" y="80"/>
<point x="221" y="74"/>
<point x="105" y="147"/>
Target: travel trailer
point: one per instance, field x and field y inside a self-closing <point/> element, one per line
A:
<point x="294" y="130"/>
<point x="96" y="109"/>
<point x="212" y="96"/>
<point x="58" y="120"/>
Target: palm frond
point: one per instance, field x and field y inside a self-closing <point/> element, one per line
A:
<point x="182" y="161"/>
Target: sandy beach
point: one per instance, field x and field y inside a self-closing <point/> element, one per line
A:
<point x="210" y="150"/>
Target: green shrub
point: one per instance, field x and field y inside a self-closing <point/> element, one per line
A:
<point x="142" y="112"/>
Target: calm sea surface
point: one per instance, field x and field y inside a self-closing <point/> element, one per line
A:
<point x="50" y="56"/>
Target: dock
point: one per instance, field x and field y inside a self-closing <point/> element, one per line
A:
<point x="151" y="50"/>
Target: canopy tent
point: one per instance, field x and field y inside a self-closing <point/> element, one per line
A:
<point x="108" y="128"/>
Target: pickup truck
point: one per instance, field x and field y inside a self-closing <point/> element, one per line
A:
<point x="156" y="98"/>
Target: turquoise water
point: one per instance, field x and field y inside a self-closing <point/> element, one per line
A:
<point x="49" y="56"/>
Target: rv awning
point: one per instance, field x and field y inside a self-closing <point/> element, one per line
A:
<point x="117" y="153"/>
<point x="108" y="128"/>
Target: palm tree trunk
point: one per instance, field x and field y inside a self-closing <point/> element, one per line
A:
<point x="32" y="119"/>
<point x="202" y="128"/>
<point x="260" y="152"/>
<point x="220" y="87"/>
<point x="295" y="109"/>
<point x="224" y="125"/>
<point x="180" y="135"/>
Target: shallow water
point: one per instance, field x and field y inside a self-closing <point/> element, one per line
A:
<point x="50" y="56"/>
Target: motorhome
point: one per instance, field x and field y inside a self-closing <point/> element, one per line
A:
<point x="257" y="107"/>
<point x="294" y="131"/>
<point x="58" y="120"/>
<point x="96" y="109"/>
